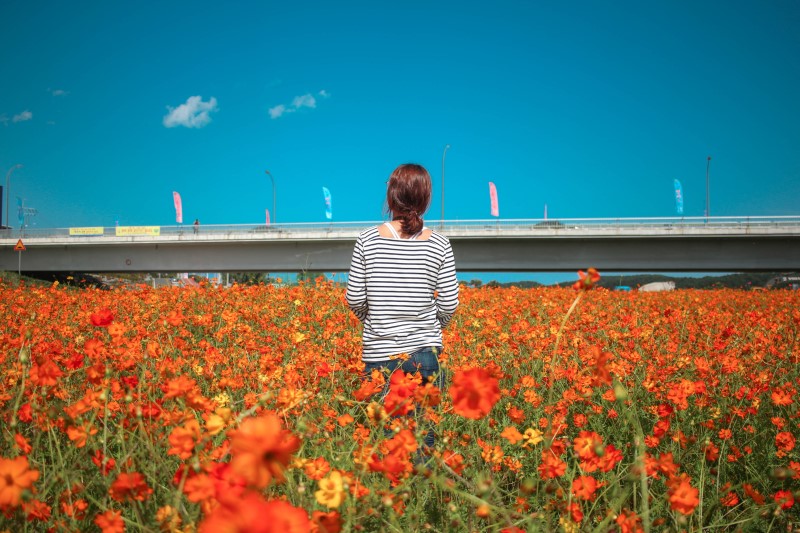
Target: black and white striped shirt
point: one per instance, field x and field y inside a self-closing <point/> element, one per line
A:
<point x="391" y="290"/>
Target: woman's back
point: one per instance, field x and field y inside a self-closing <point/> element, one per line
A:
<point x="391" y="289"/>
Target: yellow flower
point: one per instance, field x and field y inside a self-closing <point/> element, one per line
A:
<point x="531" y="437"/>
<point x="214" y="424"/>
<point x="331" y="491"/>
<point x="222" y="399"/>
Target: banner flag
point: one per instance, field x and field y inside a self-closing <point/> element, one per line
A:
<point x="493" y="199"/>
<point x="328" y="207"/>
<point x="20" y="212"/>
<point x="178" y="207"/>
<point x="267" y="217"/>
<point x="678" y="197"/>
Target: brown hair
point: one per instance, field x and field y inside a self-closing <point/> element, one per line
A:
<point x="408" y="196"/>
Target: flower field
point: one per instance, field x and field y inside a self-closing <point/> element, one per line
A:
<point x="245" y="409"/>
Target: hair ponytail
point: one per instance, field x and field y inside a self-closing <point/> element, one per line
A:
<point x="410" y="222"/>
<point x="408" y="196"/>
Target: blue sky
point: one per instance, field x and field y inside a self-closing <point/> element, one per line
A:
<point x="592" y="108"/>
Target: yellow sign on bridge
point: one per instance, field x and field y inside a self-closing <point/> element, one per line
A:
<point x="97" y="230"/>
<point x="138" y="230"/>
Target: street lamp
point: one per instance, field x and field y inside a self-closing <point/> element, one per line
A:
<point x="444" y="153"/>
<point x="8" y="184"/>
<point x="268" y="173"/>
<point x="708" y="209"/>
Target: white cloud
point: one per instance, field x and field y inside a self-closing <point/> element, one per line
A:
<point x="278" y="110"/>
<point x="193" y="114"/>
<point x="305" y="100"/>
<point x="4" y="119"/>
<point x="22" y="117"/>
<point x="58" y="92"/>
<point x="298" y="102"/>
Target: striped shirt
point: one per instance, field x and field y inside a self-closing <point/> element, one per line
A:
<point x="391" y="290"/>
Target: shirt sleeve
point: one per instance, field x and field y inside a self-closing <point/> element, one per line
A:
<point x="356" y="294"/>
<point x="447" y="288"/>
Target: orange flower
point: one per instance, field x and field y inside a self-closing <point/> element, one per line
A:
<point x="175" y="318"/>
<point x="23" y="444"/>
<point x="784" y="441"/>
<point x="330" y="522"/>
<point x="629" y="522"/>
<point x="583" y="487"/>
<point x="782" y="396"/>
<point x="46" y="374"/>
<point x="587" y="279"/>
<point x="400" y="399"/>
<point x="682" y="496"/>
<point x="79" y="434"/>
<point x="129" y="487"/>
<point x="551" y="466"/>
<point x="36" y="510"/>
<point x="252" y="514"/>
<point x="345" y="419"/>
<point x="183" y="438"/>
<point x="587" y="444"/>
<point x="110" y="522"/>
<point x="317" y="469"/>
<point x="154" y="349"/>
<point x="102" y="317"/>
<point x="261" y="449"/>
<point x="756" y="496"/>
<point x="15" y="477"/>
<point x="93" y="347"/>
<point x="474" y="393"/>
<point x="199" y="488"/>
<point x="105" y="464"/>
<point x="512" y="434"/>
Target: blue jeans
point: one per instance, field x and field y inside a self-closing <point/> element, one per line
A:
<point x="425" y="361"/>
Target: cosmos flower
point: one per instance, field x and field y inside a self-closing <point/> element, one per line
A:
<point x="262" y="449"/>
<point x="15" y="477"/>
<point x="331" y="493"/>
<point x="474" y="393"/>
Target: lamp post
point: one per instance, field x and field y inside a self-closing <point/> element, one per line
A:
<point x="268" y="173"/>
<point x="8" y="184"/>
<point x="708" y="208"/>
<point x="444" y="153"/>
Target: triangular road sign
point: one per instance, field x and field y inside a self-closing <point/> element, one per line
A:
<point x="19" y="247"/>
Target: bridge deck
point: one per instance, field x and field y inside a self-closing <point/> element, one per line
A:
<point x="662" y="244"/>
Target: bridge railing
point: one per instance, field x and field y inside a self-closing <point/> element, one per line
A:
<point x="446" y="226"/>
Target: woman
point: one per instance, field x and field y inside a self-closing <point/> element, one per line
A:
<point x="402" y="284"/>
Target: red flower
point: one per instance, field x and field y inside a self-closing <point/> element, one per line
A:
<point x="130" y="487"/>
<point x="102" y="318"/>
<point x="400" y="399"/>
<point x="474" y="393"/>
<point x="552" y="466"/>
<point x="784" y="499"/>
<point x="587" y="279"/>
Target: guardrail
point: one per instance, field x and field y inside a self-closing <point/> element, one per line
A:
<point x="740" y="222"/>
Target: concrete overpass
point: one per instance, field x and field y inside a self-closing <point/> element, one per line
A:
<point x="695" y="244"/>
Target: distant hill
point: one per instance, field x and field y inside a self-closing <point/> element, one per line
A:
<point x="744" y="280"/>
